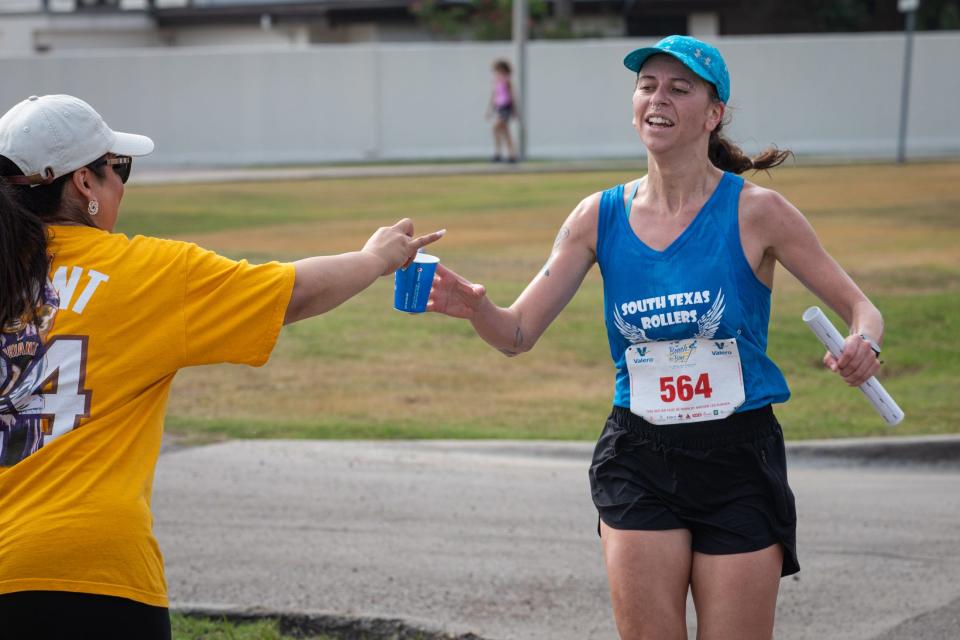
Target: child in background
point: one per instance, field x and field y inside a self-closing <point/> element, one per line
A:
<point x="502" y="108"/>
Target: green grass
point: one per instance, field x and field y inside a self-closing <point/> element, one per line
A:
<point x="193" y="628"/>
<point x="180" y="209"/>
<point x="920" y="372"/>
<point x="366" y="371"/>
<point x="199" y="627"/>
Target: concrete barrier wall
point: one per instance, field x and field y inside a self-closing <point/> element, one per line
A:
<point x="836" y="95"/>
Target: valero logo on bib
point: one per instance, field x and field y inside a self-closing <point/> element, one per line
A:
<point x="640" y="356"/>
<point x="720" y="351"/>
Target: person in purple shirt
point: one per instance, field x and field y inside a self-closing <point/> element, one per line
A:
<point x="502" y="108"/>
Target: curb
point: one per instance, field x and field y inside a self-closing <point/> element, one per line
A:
<point x="936" y="450"/>
<point x="941" y="450"/>
<point x="309" y="624"/>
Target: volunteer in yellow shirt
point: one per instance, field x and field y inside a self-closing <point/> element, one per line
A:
<point x="93" y="328"/>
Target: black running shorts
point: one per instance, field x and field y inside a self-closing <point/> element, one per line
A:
<point x="64" y="615"/>
<point x="723" y="480"/>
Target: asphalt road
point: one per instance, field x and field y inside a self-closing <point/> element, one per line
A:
<point x="499" y="538"/>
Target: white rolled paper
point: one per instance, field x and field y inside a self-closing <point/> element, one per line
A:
<point x="833" y="341"/>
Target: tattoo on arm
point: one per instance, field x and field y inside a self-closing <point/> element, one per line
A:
<point x="562" y="235"/>
<point x="517" y="344"/>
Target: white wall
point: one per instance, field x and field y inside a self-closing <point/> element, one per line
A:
<point x="837" y="94"/>
<point x="824" y="95"/>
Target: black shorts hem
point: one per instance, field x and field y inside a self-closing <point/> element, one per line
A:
<point x="620" y="526"/>
<point x="790" y="564"/>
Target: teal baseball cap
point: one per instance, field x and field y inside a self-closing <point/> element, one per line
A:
<point x="698" y="56"/>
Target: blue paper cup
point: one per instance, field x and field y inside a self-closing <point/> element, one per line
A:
<point x="411" y="286"/>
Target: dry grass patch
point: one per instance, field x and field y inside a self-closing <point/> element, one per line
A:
<point x="384" y="386"/>
<point x="366" y="370"/>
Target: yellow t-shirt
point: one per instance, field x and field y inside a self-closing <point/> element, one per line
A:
<point x="75" y="514"/>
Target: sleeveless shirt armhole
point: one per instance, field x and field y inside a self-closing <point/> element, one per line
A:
<point x="599" y="238"/>
<point x="607" y="210"/>
<point x="736" y="245"/>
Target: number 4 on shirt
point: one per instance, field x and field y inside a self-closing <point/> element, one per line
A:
<point x="65" y="400"/>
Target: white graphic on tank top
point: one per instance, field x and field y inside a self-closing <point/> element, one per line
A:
<point x="707" y="323"/>
<point x="631" y="332"/>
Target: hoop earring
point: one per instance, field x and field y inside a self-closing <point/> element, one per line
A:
<point x="93" y="207"/>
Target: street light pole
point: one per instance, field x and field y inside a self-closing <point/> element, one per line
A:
<point x="520" y="65"/>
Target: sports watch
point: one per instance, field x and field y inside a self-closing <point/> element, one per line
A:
<point x="873" y="344"/>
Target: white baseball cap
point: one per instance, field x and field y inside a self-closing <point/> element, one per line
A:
<point x="50" y="136"/>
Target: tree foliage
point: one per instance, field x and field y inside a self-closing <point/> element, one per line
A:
<point x="477" y="19"/>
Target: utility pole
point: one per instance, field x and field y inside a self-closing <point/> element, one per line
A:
<point x="908" y="7"/>
<point x="520" y="68"/>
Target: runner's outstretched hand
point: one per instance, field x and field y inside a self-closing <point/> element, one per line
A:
<point x="454" y="295"/>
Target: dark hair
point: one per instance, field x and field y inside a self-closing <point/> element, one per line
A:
<point x="23" y="260"/>
<point x="729" y="157"/>
<point x="24" y="213"/>
<point x="502" y="66"/>
<point x="46" y="201"/>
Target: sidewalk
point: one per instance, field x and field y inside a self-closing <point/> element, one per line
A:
<point x="498" y="538"/>
<point x="149" y="175"/>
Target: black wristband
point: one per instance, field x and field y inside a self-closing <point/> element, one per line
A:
<point x="873" y="344"/>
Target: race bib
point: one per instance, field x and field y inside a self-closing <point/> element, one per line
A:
<point x="685" y="380"/>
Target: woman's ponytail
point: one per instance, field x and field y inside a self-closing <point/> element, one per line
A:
<point x="729" y="157"/>
<point x="23" y="261"/>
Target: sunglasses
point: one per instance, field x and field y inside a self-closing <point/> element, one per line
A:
<point x="121" y="166"/>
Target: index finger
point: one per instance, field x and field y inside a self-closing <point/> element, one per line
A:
<point x="430" y="238"/>
<point x="443" y="271"/>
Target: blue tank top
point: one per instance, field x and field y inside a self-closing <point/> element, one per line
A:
<point x="699" y="286"/>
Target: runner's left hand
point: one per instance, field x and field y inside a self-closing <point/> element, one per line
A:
<point x="856" y="364"/>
